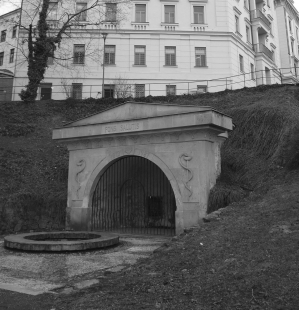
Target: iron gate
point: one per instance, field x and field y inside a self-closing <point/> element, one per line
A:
<point x="134" y="196"/>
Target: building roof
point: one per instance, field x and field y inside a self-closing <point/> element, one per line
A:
<point x="11" y="12"/>
<point x="6" y="73"/>
<point x="132" y="117"/>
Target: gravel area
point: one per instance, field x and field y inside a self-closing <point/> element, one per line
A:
<point x="43" y="272"/>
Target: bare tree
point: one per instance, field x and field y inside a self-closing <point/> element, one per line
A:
<point x="122" y="88"/>
<point x="66" y="87"/>
<point x="46" y="26"/>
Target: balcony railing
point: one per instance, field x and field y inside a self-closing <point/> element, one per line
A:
<point x="261" y="48"/>
<point x="259" y="14"/>
<point x="53" y="24"/>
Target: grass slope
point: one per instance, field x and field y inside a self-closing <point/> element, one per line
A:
<point x="247" y="258"/>
<point x="34" y="168"/>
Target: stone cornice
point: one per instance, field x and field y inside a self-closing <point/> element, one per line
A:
<point x="144" y="125"/>
<point x="134" y="140"/>
<point x="237" y="10"/>
<point x="289" y="7"/>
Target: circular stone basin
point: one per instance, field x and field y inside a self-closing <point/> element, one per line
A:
<point x="60" y="241"/>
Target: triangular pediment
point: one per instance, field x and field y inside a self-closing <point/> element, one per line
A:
<point x="135" y="110"/>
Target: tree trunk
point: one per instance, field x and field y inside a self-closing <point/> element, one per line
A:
<point x="38" y="53"/>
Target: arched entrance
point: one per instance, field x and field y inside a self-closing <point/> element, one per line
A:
<point x="133" y="195"/>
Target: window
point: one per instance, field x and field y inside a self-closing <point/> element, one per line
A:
<point x="297" y="35"/>
<point x="241" y="60"/>
<point x="139" y="55"/>
<point x="50" y="61"/>
<point x="1" y="58"/>
<point x="198" y="12"/>
<point x="292" y="46"/>
<point x="295" y="66"/>
<point x="110" y="12"/>
<point x="268" y="76"/>
<point x="201" y="89"/>
<point x="45" y="91"/>
<point x="169" y="14"/>
<point x="170" y="90"/>
<point x="290" y="25"/>
<point x="237" y="23"/>
<point x="79" y="54"/>
<point x="3" y="35"/>
<point x="82" y="16"/>
<point x="14" y="31"/>
<point x="139" y="90"/>
<point x="246" y="4"/>
<point x="109" y="58"/>
<point x="252" y="71"/>
<point x="248" y="37"/>
<point x="11" y="55"/>
<point x="77" y="90"/>
<point x="109" y="90"/>
<point x="170" y="56"/>
<point x="140" y="13"/>
<point x="200" y="56"/>
<point x="52" y="12"/>
<point x="268" y="3"/>
<point x="51" y="58"/>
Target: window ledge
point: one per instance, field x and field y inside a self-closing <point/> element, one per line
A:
<point x="169" y="24"/>
<point x="201" y="25"/>
<point x="201" y="67"/>
<point x="238" y="34"/>
<point x="170" y="66"/>
<point x="137" y="23"/>
<point x="246" y="9"/>
<point x="109" y="22"/>
<point x="109" y="65"/>
<point x="78" y="64"/>
<point x="139" y="65"/>
<point x="80" y="22"/>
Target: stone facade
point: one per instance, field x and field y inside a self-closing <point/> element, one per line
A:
<point x="183" y="141"/>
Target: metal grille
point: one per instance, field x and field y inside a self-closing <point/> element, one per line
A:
<point x="134" y="196"/>
<point x="77" y="90"/>
<point x="139" y="90"/>
<point x="170" y="90"/>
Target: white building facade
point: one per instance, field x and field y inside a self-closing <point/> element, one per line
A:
<point x="160" y="47"/>
<point x="8" y="51"/>
<point x="288" y="25"/>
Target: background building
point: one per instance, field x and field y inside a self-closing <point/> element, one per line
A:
<point x="159" y="47"/>
<point x="288" y="25"/>
<point x="8" y="50"/>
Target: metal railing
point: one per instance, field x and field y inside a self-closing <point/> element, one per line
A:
<point x="261" y="48"/>
<point x="131" y="88"/>
<point x="254" y="14"/>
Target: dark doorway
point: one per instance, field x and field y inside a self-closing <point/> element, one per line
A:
<point x="45" y="91"/>
<point x="109" y="91"/>
<point x="134" y="196"/>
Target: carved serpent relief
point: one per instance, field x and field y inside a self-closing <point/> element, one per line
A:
<point x="183" y="161"/>
<point x="82" y="164"/>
